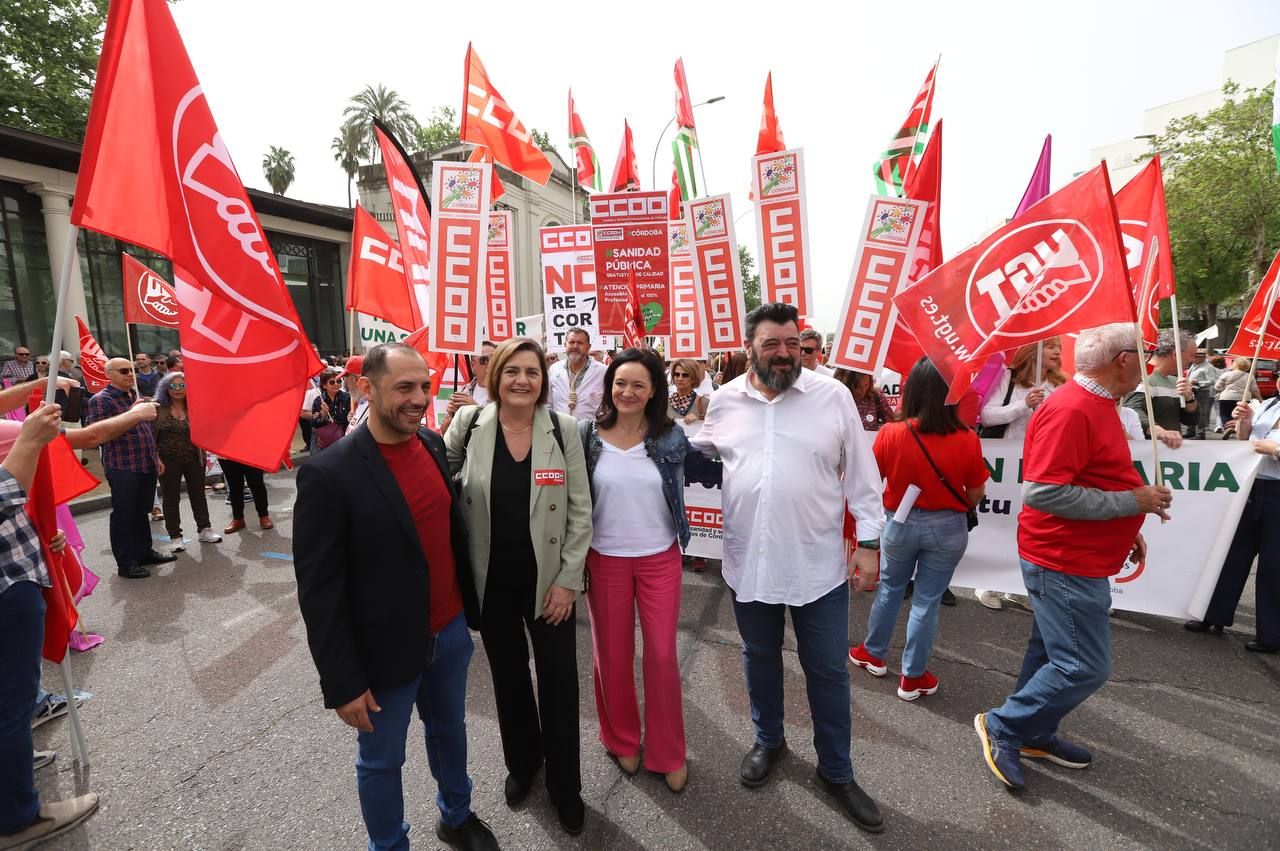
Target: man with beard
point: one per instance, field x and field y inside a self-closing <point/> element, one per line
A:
<point x="386" y="591"/>
<point x="577" y="383"/>
<point x="794" y="453"/>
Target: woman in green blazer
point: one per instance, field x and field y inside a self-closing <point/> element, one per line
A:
<point x="527" y="503"/>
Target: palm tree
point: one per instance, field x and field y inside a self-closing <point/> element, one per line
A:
<point x="385" y="105"/>
<point x="348" y="149"/>
<point x="277" y="167"/>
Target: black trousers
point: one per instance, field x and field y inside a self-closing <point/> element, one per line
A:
<point x="548" y="729"/>
<point x="1258" y="535"/>
<point x="132" y="495"/>
<point x="237" y="476"/>
<point x="171" y="494"/>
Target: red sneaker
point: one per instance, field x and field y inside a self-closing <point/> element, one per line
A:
<point x="860" y="657"/>
<point x="912" y="687"/>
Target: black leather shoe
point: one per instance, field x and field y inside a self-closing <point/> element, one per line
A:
<point x="133" y="572"/>
<point x="472" y="835"/>
<point x="1202" y="626"/>
<point x="1256" y="646"/>
<point x="948" y="599"/>
<point x="856" y="804"/>
<point x="516" y="790"/>
<point x="573" y="815"/>
<point x="156" y="557"/>
<point x="758" y="762"/>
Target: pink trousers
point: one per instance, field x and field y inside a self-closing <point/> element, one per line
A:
<point x="618" y="587"/>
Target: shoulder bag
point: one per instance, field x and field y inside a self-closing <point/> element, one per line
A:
<point x="970" y="514"/>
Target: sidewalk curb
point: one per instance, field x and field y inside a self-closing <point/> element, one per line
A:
<point x="102" y="502"/>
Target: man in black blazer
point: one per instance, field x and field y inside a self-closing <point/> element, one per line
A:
<point x="387" y="594"/>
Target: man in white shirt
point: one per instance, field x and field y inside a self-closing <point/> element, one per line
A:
<point x="786" y="435"/>
<point x="577" y="382"/>
<point x="811" y="352"/>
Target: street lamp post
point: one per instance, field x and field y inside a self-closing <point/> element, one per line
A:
<point x="653" y="175"/>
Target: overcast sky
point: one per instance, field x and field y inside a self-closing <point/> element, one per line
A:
<point x="279" y="72"/>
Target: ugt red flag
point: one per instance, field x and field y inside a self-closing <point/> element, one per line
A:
<point x="375" y="279"/>
<point x="156" y="172"/>
<point x="1058" y="268"/>
<point x="1260" y="320"/>
<point x="412" y="212"/>
<point x="1140" y="206"/>
<point x="93" y="363"/>
<point x="626" y="175"/>
<point x="148" y="298"/>
<point x="488" y="121"/>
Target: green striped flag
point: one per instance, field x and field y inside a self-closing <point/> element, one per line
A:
<point x="682" y="149"/>
<point x="903" y="153"/>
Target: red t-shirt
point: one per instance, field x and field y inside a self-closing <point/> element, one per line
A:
<point x="958" y="455"/>
<point x="425" y="490"/>
<point x="1075" y="438"/>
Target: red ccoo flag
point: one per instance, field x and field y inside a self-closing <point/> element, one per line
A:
<point x="626" y="176"/>
<point x="488" y="121"/>
<point x="770" y="139"/>
<point x="148" y="298"/>
<point x="412" y="211"/>
<point x="1058" y="268"/>
<point x="496" y="189"/>
<point x="156" y="172"/>
<point x="375" y="280"/>
<point x="1140" y="206"/>
<point x="93" y="363"/>
<point x="633" y="330"/>
<point x="1260" y="320"/>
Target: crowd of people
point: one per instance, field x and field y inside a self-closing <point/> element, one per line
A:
<point x="554" y="479"/>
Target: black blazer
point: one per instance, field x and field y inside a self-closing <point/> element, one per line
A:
<point x="362" y="575"/>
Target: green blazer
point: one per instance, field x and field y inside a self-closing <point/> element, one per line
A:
<point x="560" y="515"/>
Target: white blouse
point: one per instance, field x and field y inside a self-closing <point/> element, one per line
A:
<point x="630" y="517"/>
<point x="1016" y="415"/>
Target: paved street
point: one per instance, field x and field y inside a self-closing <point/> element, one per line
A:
<point x="207" y="732"/>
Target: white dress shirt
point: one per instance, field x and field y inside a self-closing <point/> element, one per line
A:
<point x="822" y="369"/>
<point x="789" y="466"/>
<point x="590" y="391"/>
<point x="1266" y="425"/>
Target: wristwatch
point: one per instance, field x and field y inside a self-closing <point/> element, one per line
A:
<point x="869" y="545"/>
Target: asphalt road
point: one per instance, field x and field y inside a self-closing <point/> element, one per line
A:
<point x="206" y="731"/>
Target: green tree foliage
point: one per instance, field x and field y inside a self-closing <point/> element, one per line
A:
<point x="48" y="59"/>
<point x="385" y="105"/>
<point x="542" y="140"/>
<point x="277" y="167"/>
<point x="750" y="278"/>
<point x="348" y="150"/>
<point x="1223" y="196"/>
<point x="439" y="132"/>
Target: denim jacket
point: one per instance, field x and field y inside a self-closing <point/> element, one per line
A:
<point x="676" y="460"/>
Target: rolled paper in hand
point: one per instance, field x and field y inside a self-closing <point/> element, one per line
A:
<point x="908" y="500"/>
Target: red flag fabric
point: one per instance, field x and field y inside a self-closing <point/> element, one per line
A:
<point x="626" y="176"/>
<point x="488" y="121"/>
<point x="684" y="104"/>
<point x="632" y="319"/>
<point x="93" y="363"/>
<point x="1059" y="268"/>
<point x="156" y="172"/>
<point x="925" y="185"/>
<point x="437" y="363"/>
<point x="1260" y="319"/>
<point x="1140" y="206"/>
<point x="148" y="298"/>
<point x="496" y="189"/>
<point x="375" y="278"/>
<point x="588" y="168"/>
<point x="770" y="139"/>
<point x="412" y="213"/>
<point x="60" y="610"/>
<point x="675" y="209"/>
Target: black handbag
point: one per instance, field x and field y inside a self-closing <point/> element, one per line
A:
<point x="971" y="515"/>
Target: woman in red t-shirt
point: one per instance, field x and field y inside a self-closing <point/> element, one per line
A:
<point x="931" y="540"/>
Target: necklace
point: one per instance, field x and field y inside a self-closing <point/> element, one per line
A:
<point x="510" y="430"/>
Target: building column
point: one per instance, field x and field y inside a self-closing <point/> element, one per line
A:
<point x="56" y="207"/>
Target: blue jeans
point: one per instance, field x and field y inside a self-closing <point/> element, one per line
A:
<point x="1068" y="657"/>
<point x="929" y="546"/>
<point x="822" y="632"/>
<point x="440" y="693"/>
<point x="21" y="636"/>
<point x="132" y="496"/>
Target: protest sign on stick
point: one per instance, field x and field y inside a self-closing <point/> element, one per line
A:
<point x="499" y="287"/>
<point x="569" y="295"/>
<point x="459" y="252"/>
<point x="782" y="229"/>
<point x="629" y="237"/>
<point x="716" y="271"/>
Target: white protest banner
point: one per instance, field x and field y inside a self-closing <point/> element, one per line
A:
<point x="1210" y="482"/>
<point x="782" y="229"/>
<point x="568" y="284"/>
<point x="880" y="267"/>
<point x="499" y="287"/>
<point x="459" y="255"/>
<point x="374" y="331"/>
<point x="716" y="269"/>
<point x="891" y="387"/>
<point x="689" y="337"/>
<point x="529" y="326"/>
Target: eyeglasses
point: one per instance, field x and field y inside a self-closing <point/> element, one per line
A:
<point x="809" y="350"/>
<point x="42" y="363"/>
<point x="333" y="381"/>
<point x="176" y="386"/>
<point x="125" y="371"/>
<point x="23" y="354"/>
<point x="680" y="375"/>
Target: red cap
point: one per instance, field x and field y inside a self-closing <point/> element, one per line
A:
<point x="355" y="366"/>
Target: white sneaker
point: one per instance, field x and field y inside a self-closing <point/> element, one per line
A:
<point x="208" y="536"/>
<point x="177" y="545"/>
<point x="53" y="818"/>
<point x="990" y="599"/>
<point x="1018" y="600"/>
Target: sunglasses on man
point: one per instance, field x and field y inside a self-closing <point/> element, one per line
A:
<point x="809" y="350"/>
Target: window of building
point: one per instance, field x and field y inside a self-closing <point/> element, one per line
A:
<point x="102" y="271"/>
<point x="27" y="299"/>
<point x="312" y="272"/>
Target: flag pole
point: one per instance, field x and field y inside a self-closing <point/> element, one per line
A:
<point x="1146" y="385"/>
<point x="1177" y="343"/>
<point x="1257" y="345"/>
<point x="78" y="747"/>
<point x="353" y="331"/>
<point x="1039" y="362"/>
